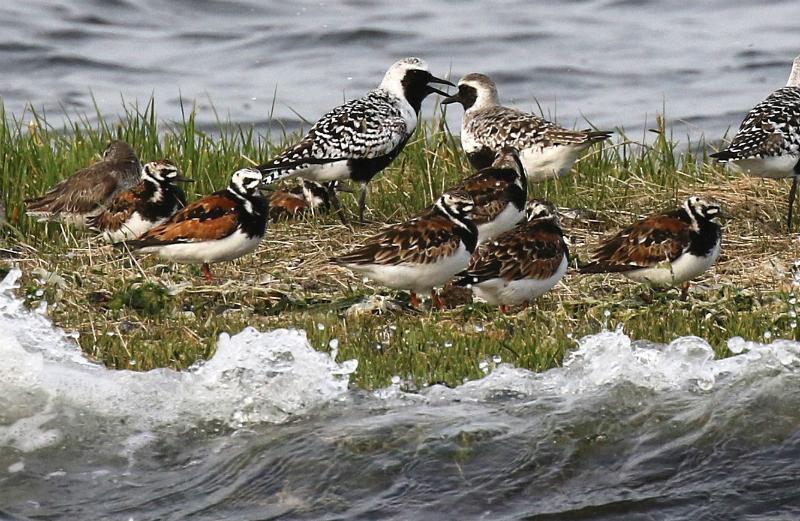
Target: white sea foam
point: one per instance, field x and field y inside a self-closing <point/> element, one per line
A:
<point x="270" y="376"/>
<point x="252" y="377"/>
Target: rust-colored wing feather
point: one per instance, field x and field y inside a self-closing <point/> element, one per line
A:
<point x="210" y="218"/>
<point x="532" y="251"/>
<point x="423" y="240"/>
<point x="488" y="194"/>
<point x="284" y="204"/>
<point x="652" y="241"/>
<point x="118" y="211"/>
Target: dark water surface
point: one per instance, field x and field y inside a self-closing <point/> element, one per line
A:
<point x="614" y="62"/>
<point x="270" y="429"/>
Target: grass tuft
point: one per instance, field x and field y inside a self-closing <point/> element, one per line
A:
<point x="143" y="314"/>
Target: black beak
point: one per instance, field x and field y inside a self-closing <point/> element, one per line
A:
<point x="266" y="187"/>
<point x="181" y="179"/>
<point x="455" y="98"/>
<point x="434" y="79"/>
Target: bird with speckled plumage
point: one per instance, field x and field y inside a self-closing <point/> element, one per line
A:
<point x="767" y="143"/>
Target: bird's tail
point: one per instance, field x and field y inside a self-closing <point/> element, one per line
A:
<point x="597" y="136"/>
<point x="723" y="155"/>
<point x="464" y="279"/>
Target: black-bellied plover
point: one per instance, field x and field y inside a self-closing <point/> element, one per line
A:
<point x="546" y="149"/>
<point x="360" y="138"/>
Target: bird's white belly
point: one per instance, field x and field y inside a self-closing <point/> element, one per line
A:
<point x="231" y="247"/>
<point x="416" y="277"/>
<point x="133" y="228"/>
<point x="686" y="267"/>
<point x="505" y="220"/>
<point x="511" y="293"/>
<point x="550" y="162"/>
<point x="773" y="167"/>
<point x="336" y="171"/>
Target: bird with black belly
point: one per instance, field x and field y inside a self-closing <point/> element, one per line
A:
<point x="767" y="143"/>
<point x="359" y="139"/>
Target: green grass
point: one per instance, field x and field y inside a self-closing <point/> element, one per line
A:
<point x="143" y="314"/>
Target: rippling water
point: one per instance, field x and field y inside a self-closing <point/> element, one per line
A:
<point x="614" y="62"/>
<point x="269" y="428"/>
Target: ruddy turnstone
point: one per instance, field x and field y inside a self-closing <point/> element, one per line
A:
<point x="546" y="149"/>
<point x="521" y="264"/>
<point x="219" y="227"/>
<point x="499" y="192"/>
<point x="423" y="253"/>
<point x="308" y="196"/>
<point x="360" y="138"/>
<point x="135" y="210"/>
<point x="767" y="143"/>
<point x="665" y="249"/>
<point x="89" y="190"/>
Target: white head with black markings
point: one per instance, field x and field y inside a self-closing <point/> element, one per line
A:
<point x="315" y="194"/>
<point x="162" y="171"/>
<point x="457" y="204"/>
<point x="409" y="79"/>
<point x="475" y="91"/>
<point x="538" y="210"/>
<point x="701" y="210"/>
<point x="246" y="182"/>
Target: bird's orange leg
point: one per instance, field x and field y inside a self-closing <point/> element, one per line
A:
<point x="435" y="300"/>
<point x="207" y="273"/>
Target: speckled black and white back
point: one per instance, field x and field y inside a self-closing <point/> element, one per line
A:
<point x="767" y="143"/>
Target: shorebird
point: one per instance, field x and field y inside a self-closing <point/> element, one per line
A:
<point x="86" y="192"/>
<point x="421" y="254"/>
<point x="665" y="249"/>
<point x="219" y="227"/>
<point x="360" y="138"/>
<point x="308" y="196"/>
<point x="546" y="149"/>
<point x="135" y="210"/>
<point x="767" y="143"/>
<point x="499" y="192"/>
<point x="521" y="264"/>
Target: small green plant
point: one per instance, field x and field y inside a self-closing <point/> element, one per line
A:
<point x="140" y="314"/>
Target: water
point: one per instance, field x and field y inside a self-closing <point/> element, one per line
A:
<point x="613" y="62"/>
<point x="269" y="428"/>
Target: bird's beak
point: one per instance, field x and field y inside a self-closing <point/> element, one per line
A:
<point x="181" y="179"/>
<point x="434" y="79"/>
<point x="264" y="187"/>
<point x="455" y="98"/>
